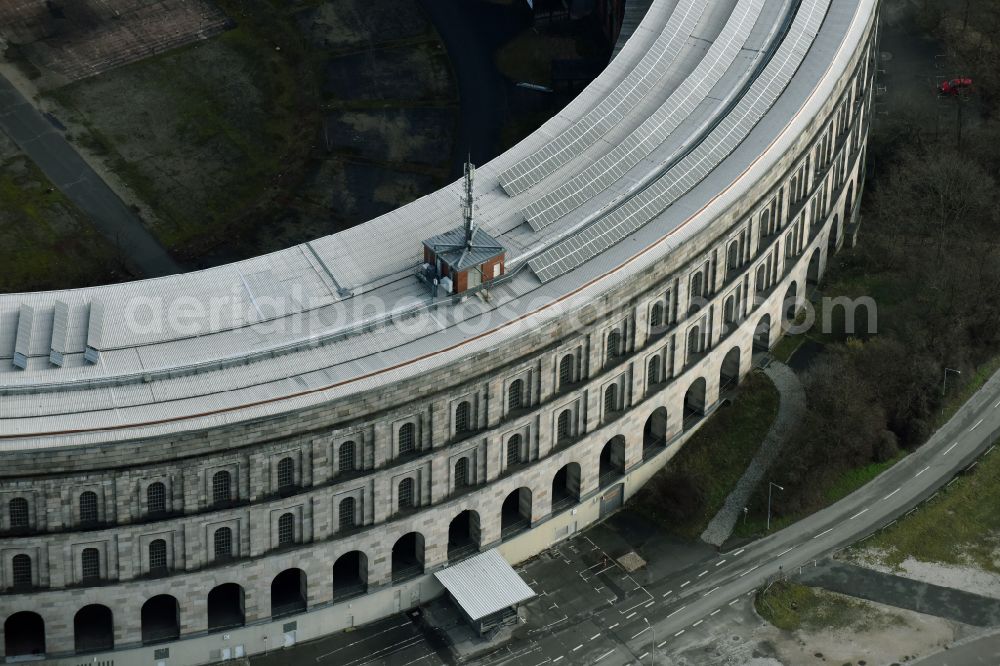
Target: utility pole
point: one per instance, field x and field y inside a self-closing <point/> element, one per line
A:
<point x="771" y="485"/>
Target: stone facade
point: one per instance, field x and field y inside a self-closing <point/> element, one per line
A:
<point x="526" y="439"/>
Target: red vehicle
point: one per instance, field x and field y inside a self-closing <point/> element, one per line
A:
<point x="955" y="86"/>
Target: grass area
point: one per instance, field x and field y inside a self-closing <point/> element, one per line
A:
<point x="961" y="526"/>
<point x="48" y="243"/>
<point x="786" y="347"/>
<point x="791" y="606"/>
<point x="714" y="459"/>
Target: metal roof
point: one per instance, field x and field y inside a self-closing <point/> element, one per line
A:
<point x="450" y="246"/>
<point x="484" y="584"/>
<point x="333" y="318"/>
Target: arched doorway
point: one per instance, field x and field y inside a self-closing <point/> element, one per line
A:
<point x="161" y="619"/>
<point x="654" y="433"/>
<point x="611" y="465"/>
<point x="24" y="635"/>
<point x="463" y="536"/>
<point x="729" y="371"/>
<point x="226" y="607"/>
<point x="812" y="273"/>
<point x="93" y="629"/>
<point x="289" y="592"/>
<point x="790" y="303"/>
<point x="565" y="487"/>
<point x="762" y="334"/>
<point x="350" y="575"/>
<point x="408" y="557"/>
<point x="515" y="514"/>
<point x="694" y="401"/>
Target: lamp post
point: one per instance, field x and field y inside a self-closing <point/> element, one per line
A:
<point x="652" y="642"/>
<point x="770" y="486"/>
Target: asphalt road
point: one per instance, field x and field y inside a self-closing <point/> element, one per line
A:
<point x="57" y="158"/>
<point x="684" y="601"/>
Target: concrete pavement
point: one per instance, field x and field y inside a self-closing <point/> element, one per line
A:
<point x="59" y="160"/>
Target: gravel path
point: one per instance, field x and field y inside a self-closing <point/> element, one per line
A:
<point x="790" y="409"/>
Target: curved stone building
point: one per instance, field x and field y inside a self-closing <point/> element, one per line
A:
<point x="214" y="464"/>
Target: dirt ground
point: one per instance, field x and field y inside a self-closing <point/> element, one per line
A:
<point x="48" y="242"/>
<point x="882" y="636"/>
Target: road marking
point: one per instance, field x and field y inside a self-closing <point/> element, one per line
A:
<point x="822" y="533"/>
<point x="976" y="426"/>
<point x="557" y="658"/>
<point x="748" y="571"/>
<point x="677" y="611"/>
<point x="649" y="604"/>
<point x="734" y="601"/>
<point x="613" y="626"/>
<point x="857" y="514"/>
<point x="639" y="634"/>
<point x="604" y="655"/>
<point x="921" y="471"/>
<point x="643" y="656"/>
<point x="703" y="573"/>
<point x="751" y="591"/>
<point x="678" y="633"/>
<point x="892" y="493"/>
<point x="714" y="612"/>
<point x="685" y="583"/>
<point x="661" y="644"/>
<point x="665" y="594"/>
<point x="738" y="552"/>
<point x="787" y="550"/>
<point x="996" y="405"/>
<point x="710" y="591"/>
<point x="597" y="635"/>
<point x="949" y="449"/>
<point x="697" y="623"/>
<point x="578" y="647"/>
<point x="630" y="615"/>
<point x="720" y="563"/>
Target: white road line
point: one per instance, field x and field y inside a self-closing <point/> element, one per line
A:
<point x="614" y="625"/>
<point x="996" y="405"/>
<point x="751" y="591"/>
<point x="577" y="647"/>
<point x="720" y="563"/>
<point x="677" y="611"/>
<point x="639" y="634"/>
<point x="857" y="514"/>
<point x="597" y="635"/>
<point x="685" y="583"/>
<point x="976" y="426"/>
<point x="734" y="601"/>
<point x="604" y="655"/>
<point x="738" y="552"/>
<point x="643" y="656"/>
<point x="678" y="633"/>
<point x="748" y="571"/>
<point x="921" y="471"/>
<point x="710" y="591"/>
<point x="697" y="623"/>
<point x="703" y="573"/>
<point x="666" y="594"/>
<point x="949" y="449"/>
<point x="714" y="612"/>
<point x="661" y="644"/>
<point x="787" y="550"/>
<point x="630" y="615"/>
<point x="822" y="533"/>
<point x="558" y="658"/>
<point x="649" y="604"/>
<point x="892" y="493"/>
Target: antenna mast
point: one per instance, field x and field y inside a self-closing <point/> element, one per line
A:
<point x="467" y="212"/>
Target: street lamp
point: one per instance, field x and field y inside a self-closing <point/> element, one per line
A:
<point x="771" y="484"/>
<point x="652" y="642"/>
<point x="944" y="384"/>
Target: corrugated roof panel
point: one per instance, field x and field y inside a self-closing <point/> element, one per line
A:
<point x="484" y="584"/>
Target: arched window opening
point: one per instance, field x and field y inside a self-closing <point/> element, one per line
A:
<point x="156" y="498"/>
<point x="24" y="636"/>
<point x="286" y="474"/>
<point x="157" y="557"/>
<point x="461" y="473"/>
<point x="463" y="422"/>
<point x="21" y="572"/>
<point x="286" y="529"/>
<point x="221" y="487"/>
<point x="88" y="507"/>
<point x="160" y="618"/>
<point x="407" y="557"/>
<point x="515" y="513"/>
<point x="346" y="513"/>
<point x="289" y="593"/>
<point x="222" y="541"/>
<point x="17" y="514"/>
<point x="515" y="395"/>
<point x="513" y="450"/>
<point x="653" y="372"/>
<point x="345" y="457"/>
<point x="226" y="607"/>
<point x="93" y="629"/>
<point x="407" y="439"/>
<point x="565" y="487"/>
<point x="614" y="345"/>
<point x="463" y="536"/>
<point x="610" y="400"/>
<point x="90" y="565"/>
<point x="350" y="575"/>
<point x="566" y="371"/>
<point x="406" y="497"/>
<point x="564" y="426"/>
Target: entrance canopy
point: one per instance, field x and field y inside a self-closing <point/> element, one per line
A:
<point x="484" y="584"/>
